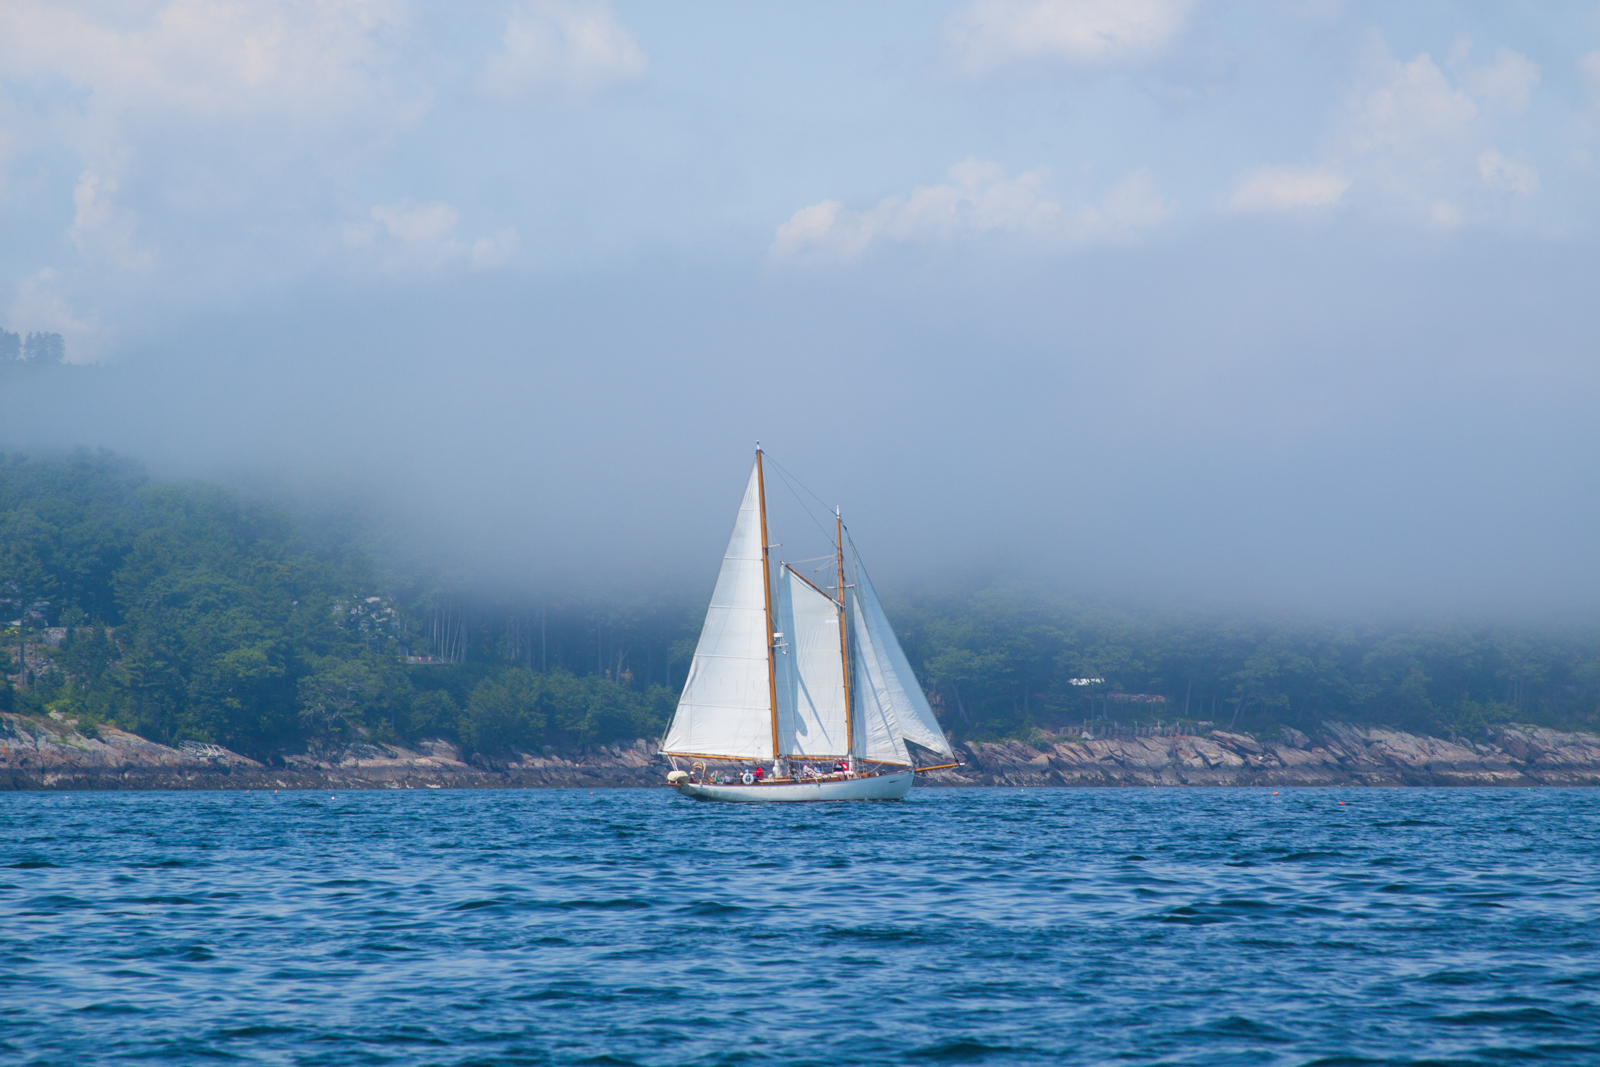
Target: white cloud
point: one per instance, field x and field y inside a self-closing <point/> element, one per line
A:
<point x="1413" y="138"/>
<point x="1128" y="210"/>
<point x="495" y="250"/>
<point x="561" y="52"/>
<point x="40" y="307"/>
<point x="1407" y="108"/>
<point x="422" y="237"/>
<point x="184" y="115"/>
<point x="420" y="224"/>
<point x="104" y="229"/>
<point x="990" y="35"/>
<point x="1501" y="173"/>
<point x="978" y="201"/>
<point x="318" y="63"/>
<point x="1280" y="189"/>
<point x="1507" y="85"/>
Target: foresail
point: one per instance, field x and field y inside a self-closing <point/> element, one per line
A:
<point x="877" y="735"/>
<point x="890" y="672"/>
<point x="726" y="706"/>
<point x="811" y="704"/>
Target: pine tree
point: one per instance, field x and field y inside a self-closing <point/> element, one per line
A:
<point x="44" y="348"/>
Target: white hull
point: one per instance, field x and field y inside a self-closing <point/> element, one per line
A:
<point x="892" y="786"/>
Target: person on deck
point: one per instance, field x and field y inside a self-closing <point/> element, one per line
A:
<point x="760" y="773"/>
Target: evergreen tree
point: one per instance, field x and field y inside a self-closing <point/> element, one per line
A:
<point x="44" y="348"/>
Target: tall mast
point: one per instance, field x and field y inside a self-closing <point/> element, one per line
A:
<point x="766" y="589"/>
<point x="844" y="634"/>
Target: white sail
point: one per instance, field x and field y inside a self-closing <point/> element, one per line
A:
<point x="811" y="704"/>
<point x="889" y="676"/>
<point x="877" y="733"/>
<point x="726" y="706"/>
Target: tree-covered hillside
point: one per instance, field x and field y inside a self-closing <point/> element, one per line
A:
<point x="1004" y="661"/>
<point x="183" y="612"/>
<point x="186" y="612"/>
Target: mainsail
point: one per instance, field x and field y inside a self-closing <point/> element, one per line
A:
<point x="811" y="696"/>
<point x="778" y="658"/>
<point x="726" y="706"/>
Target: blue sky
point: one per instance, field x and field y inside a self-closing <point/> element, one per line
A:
<point x="1278" y="293"/>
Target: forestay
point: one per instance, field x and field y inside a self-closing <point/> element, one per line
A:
<point x="726" y="706"/>
<point x="811" y="698"/>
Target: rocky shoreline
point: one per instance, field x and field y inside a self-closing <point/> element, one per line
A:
<point x="52" y="754"/>
<point x="1341" y="754"/>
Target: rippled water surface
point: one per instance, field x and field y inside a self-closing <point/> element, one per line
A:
<point x="636" y="927"/>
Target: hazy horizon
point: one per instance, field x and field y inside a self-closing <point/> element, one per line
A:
<point x="1280" y="308"/>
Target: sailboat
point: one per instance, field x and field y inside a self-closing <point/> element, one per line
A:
<point x="803" y="678"/>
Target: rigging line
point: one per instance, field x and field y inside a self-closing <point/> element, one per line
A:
<point x="790" y="483"/>
<point x="797" y="481"/>
<point x="785" y="476"/>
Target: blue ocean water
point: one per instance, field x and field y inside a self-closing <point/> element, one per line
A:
<point x="1136" y="926"/>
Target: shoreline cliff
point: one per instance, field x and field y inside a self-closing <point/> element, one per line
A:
<point x="52" y="754"/>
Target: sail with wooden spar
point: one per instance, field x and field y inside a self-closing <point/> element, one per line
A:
<point x="726" y="707"/>
<point x="787" y="668"/>
<point x="813" y="706"/>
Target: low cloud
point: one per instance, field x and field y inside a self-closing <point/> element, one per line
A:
<point x="991" y="35"/>
<point x="423" y="237"/>
<point x="1282" y="189"/>
<point x="561" y="52"/>
<point x="979" y="201"/>
<point x="39" y="306"/>
<point x="1501" y="173"/>
<point x="104" y="229"/>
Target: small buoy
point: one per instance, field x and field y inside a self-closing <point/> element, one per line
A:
<point x="1341" y="802"/>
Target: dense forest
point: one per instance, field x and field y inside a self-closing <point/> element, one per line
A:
<point x="183" y="611"/>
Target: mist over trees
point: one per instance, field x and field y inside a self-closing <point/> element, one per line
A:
<point x="40" y="348"/>
<point x="185" y="612"/>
